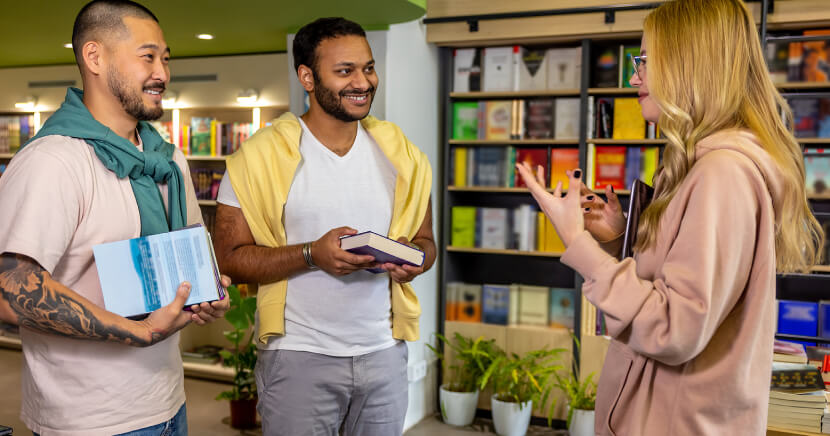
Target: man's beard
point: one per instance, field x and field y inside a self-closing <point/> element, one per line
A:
<point x="131" y="101"/>
<point x="331" y="102"/>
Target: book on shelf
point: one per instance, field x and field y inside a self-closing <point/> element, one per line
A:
<point x="143" y="274"/>
<point x="465" y="120"/>
<point x="498" y="119"/>
<point x="641" y="195"/>
<point x="463" y="226"/>
<point x="466" y="70"/>
<point x="539" y="118"/>
<point x="604" y="118"/>
<point x="532" y="70"/>
<point x="795" y="377"/>
<point x="816" y="57"/>
<point x="494" y="227"/>
<point x="203" y="354"/>
<point x="15" y="130"/>
<point x="451" y="300"/>
<point x="609" y="167"/>
<point x="562" y="308"/>
<point x="564" y="67"/>
<point x="628" y="120"/>
<point x="489" y="166"/>
<point x="562" y="160"/>
<point x="817" y="169"/>
<point x="626" y="69"/>
<point x="206" y="181"/>
<point x="200" y="134"/>
<point x="605" y="68"/>
<point x="384" y="250"/>
<point x="566" y="124"/>
<point x="498" y="68"/>
<point x="495" y="304"/>
<point x="798" y="318"/>
<point x="777" y="54"/>
<point x="534" y="157"/>
<point x="469" y="303"/>
<point x="534" y="305"/>
<point x="164" y="129"/>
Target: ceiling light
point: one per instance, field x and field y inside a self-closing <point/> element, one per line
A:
<point x="247" y="97"/>
<point x="169" y="99"/>
<point x="204" y="36"/>
<point x="68" y="45"/>
<point x="28" y="103"/>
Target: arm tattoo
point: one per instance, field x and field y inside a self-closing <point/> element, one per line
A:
<point x="45" y="305"/>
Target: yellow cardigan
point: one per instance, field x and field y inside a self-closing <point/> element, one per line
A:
<point x="261" y="173"/>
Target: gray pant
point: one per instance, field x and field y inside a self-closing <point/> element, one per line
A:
<point x="303" y="393"/>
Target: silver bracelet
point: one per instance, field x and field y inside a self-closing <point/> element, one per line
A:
<point x="307" y="256"/>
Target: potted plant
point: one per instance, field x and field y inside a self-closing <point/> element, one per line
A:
<point x="458" y="396"/>
<point x="581" y="397"/>
<point x="518" y="382"/>
<point x="242" y="358"/>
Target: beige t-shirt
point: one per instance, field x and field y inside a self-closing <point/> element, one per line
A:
<point x="57" y="200"/>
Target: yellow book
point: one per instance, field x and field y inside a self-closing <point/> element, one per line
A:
<point x="460" y="167"/>
<point x="186" y="140"/>
<point x="648" y="159"/>
<point x="628" y="119"/>
<point x="541" y="237"/>
<point x="213" y="137"/>
<point x="553" y="243"/>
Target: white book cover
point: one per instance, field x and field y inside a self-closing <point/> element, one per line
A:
<point x="467" y="70"/>
<point x="566" y="124"/>
<point x="493" y="228"/>
<point x="564" y="67"/>
<point x="498" y="68"/>
<point x="532" y="69"/>
<point x="143" y="274"/>
<point x="513" y="313"/>
<point x="533" y="305"/>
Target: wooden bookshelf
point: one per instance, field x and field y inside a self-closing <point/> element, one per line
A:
<point x="506" y="142"/>
<point x="818" y="197"/>
<point x="499" y="251"/>
<point x="813" y="141"/>
<point x="803" y="85"/>
<point x="207" y="202"/>
<point x="821" y="268"/>
<point x="6" y="155"/>
<point x="515" y="94"/>
<point x="11" y="343"/>
<point x="214" y="371"/>
<point x="776" y="431"/>
<point x="608" y="141"/>
<point x="503" y="190"/>
<point x="612" y="91"/>
<point x="206" y="158"/>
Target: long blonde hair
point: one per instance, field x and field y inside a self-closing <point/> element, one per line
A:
<point x="707" y="73"/>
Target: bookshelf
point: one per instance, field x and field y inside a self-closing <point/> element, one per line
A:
<point x="509" y="26"/>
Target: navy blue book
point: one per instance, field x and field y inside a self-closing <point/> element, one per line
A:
<point x="384" y="250"/>
<point x="798" y="318"/>
<point x="495" y="304"/>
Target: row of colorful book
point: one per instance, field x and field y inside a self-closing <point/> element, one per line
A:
<point x="543" y="118"/>
<point x="206" y="182"/>
<point x="512" y="304"/>
<point x="206" y="136"/>
<point x="618" y="118"/>
<point x="518" y="68"/>
<point x="807" y="61"/>
<point x="811" y="117"/>
<point x="14" y="131"/>
<point x="523" y="228"/>
<point x="804" y="318"/>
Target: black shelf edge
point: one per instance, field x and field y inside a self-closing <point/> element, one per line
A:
<point x="802" y="338"/>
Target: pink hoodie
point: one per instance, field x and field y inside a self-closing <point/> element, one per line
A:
<point x="693" y="317"/>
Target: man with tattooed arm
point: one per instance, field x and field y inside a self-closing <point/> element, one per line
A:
<point x="98" y="172"/>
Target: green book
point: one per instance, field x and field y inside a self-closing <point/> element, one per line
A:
<point x="463" y="226"/>
<point x="628" y="69"/>
<point x="465" y="120"/>
<point x="200" y="136"/>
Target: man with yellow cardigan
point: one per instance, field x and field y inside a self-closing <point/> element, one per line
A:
<point x="330" y="334"/>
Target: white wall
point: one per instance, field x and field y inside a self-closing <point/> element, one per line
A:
<point x="413" y="102"/>
<point x="264" y="73"/>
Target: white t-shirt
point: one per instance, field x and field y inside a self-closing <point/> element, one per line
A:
<point x="325" y="314"/>
<point x="58" y="201"/>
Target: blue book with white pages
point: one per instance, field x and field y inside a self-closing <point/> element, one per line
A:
<point x="143" y="274"/>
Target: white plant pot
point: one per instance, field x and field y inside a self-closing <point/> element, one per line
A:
<point x="582" y="423"/>
<point x="510" y="419"/>
<point x="458" y="408"/>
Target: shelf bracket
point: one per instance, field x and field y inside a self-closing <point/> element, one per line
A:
<point x="473" y="25"/>
<point x="610" y="16"/>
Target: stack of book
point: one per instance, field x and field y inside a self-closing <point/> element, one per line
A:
<point x="797" y="399"/>
<point x="206" y="354"/>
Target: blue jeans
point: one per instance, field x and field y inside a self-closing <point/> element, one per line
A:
<point x="177" y="426"/>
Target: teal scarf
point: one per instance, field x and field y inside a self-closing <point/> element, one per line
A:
<point x="119" y="155"/>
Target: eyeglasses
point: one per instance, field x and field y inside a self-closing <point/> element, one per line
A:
<point x="639" y="65"/>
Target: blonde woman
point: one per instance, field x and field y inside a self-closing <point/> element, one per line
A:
<point x="692" y="314"/>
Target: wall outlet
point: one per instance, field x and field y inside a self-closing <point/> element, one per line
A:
<point x="416" y="371"/>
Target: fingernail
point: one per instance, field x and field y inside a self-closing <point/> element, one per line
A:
<point x="577" y="173"/>
<point x="612" y="189"/>
<point x="589" y="198"/>
<point x="587" y="209"/>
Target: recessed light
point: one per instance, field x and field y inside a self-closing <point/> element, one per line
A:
<point x="204" y="36"/>
<point x="68" y="45"/>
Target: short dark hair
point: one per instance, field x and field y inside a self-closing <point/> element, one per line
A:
<point x="104" y="17"/>
<point x="312" y="34"/>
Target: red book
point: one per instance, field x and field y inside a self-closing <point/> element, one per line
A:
<point x="609" y="167"/>
<point x="533" y="157"/>
<point x="561" y="160"/>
